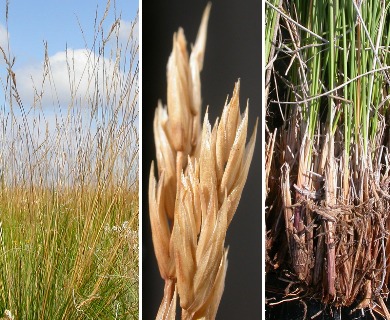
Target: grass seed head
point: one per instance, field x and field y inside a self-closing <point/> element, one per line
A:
<point x="201" y="175"/>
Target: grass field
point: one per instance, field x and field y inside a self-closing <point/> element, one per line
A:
<point x="69" y="186"/>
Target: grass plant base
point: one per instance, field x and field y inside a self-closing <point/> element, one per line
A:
<point x="352" y="271"/>
<point x="327" y="159"/>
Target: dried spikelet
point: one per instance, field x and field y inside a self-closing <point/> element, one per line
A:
<point x="174" y="140"/>
<point x="201" y="175"/>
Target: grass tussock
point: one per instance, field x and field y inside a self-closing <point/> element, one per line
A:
<point x="327" y="150"/>
<point x="201" y="174"/>
<point x="69" y="185"/>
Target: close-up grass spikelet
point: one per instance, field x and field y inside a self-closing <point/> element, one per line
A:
<point x="202" y="171"/>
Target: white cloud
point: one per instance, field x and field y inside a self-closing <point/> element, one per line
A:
<point x="128" y="29"/>
<point x="61" y="137"/>
<point x="82" y="80"/>
<point x="74" y="76"/>
<point x="4" y="36"/>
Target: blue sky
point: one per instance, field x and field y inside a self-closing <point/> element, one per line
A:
<point x="31" y="23"/>
<point x="59" y="23"/>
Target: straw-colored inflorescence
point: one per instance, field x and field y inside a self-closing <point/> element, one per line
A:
<point x="201" y="175"/>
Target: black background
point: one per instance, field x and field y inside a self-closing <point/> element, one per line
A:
<point x="233" y="50"/>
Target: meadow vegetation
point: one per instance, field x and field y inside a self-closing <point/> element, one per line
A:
<point x="69" y="184"/>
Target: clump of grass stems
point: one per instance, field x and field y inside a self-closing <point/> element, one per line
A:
<point x="327" y="182"/>
<point x="201" y="174"/>
<point x="69" y="192"/>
